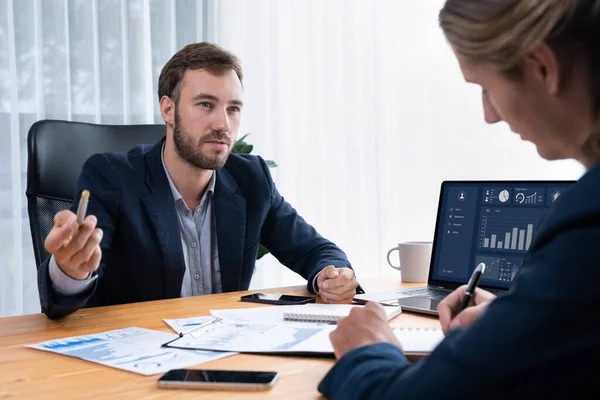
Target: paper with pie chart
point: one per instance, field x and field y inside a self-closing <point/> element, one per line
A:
<point x="132" y="349"/>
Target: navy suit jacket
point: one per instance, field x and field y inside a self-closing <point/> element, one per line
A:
<point x="142" y="257"/>
<point x="542" y="337"/>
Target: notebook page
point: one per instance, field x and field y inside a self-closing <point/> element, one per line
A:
<point x="419" y="340"/>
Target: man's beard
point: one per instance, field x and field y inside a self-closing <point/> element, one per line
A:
<point x="190" y="152"/>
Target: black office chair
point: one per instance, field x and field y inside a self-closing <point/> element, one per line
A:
<point x="57" y="151"/>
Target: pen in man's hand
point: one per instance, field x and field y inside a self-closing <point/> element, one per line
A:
<point x="472" y="285"/>
<point x="82" y="208"/>
<point x="359" y="289"/>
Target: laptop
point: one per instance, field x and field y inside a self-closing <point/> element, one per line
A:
<point x="490" y="222"/>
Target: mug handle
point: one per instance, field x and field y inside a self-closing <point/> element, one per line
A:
<point x="388" y="259"/>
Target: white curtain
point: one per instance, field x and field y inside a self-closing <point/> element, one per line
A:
<point x="85" y="60"/>
<point x="360" y="103"/>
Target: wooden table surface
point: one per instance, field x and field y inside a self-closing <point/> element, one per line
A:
<point x="33" y="374"/>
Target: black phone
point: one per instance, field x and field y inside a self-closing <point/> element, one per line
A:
<point x="281" y="299"/>
<point x="217" y="379"/>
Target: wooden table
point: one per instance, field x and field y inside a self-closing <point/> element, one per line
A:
<point x="33" y="374"/>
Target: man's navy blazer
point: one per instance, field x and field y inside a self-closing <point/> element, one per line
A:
<point x="142" y="257"/>
<point x="541" y="339"/>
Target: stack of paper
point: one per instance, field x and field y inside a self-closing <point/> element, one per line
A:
<point x="208" y="338"/>
<point x="264" y="330"/>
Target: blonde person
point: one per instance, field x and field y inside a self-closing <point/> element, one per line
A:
<point x="538" y="64"/>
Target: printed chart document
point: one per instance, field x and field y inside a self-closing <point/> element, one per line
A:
<point x="273" y="336"/>
<point x="132" y="349"/>
<point x="257" y="337"/>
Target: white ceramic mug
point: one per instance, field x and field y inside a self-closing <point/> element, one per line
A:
<point x="414" y="258"/>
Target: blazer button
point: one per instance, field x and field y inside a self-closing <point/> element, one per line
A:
<point x="194" y="245"/>
<point x="196" y="276"/>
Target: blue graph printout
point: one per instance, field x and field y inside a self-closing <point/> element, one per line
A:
<point x="132" y="349"/>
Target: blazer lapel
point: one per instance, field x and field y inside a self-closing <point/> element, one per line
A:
<point x="160" y="207"/>
<point x="230" y="215"/>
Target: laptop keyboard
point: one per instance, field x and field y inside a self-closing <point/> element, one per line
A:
<point x="423" y="292"/>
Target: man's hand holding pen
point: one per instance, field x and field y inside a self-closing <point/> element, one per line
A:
<point x="449" y="319"/>
<point x="464" y="305"/>
<point x="74" y="241"/>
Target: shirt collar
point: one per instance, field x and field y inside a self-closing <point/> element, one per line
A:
<point x="176" y="196"/>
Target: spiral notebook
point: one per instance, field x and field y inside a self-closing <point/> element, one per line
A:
<point x="418" y="341"/>
<point x="328" y="313"/>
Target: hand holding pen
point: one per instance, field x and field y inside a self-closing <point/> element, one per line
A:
<point x="74" y="241"/>
<point x="471" y="287"/>
<point x="454" y="310"/>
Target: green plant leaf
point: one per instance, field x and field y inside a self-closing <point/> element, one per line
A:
<point x="262" y="250"/>
<point x="247" y="149"/>
<point x="271" y="163"/>
<point x="241" y="140"/>
<point x="239" y="145"/>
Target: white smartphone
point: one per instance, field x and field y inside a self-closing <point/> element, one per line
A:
<point x="217" y="379"/>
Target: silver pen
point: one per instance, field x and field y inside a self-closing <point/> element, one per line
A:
<point x="205" y="324"/>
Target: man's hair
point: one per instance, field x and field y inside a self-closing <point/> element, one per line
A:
<point x="203" y="55"/>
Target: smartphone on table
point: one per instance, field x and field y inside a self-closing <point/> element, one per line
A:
<point x="217" y="379"/>
<point x="281" y="299"/>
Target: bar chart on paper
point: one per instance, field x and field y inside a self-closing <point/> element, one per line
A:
<point x="508" y="229"/>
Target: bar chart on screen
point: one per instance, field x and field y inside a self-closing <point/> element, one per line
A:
<point x="508" y="229"/>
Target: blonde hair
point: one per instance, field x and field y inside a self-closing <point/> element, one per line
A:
<point x="501" y="32"/>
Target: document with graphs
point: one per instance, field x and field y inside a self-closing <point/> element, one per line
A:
<point x="221" y="334"/>
<point x="256" y="337"/>
<point x="132" y="349"/>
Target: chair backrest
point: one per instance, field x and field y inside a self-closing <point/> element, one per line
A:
<point x="57" y="151"/>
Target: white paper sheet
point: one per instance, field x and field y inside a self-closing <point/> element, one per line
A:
<point x="263" y="330"/>
<point x="258" y="337"/>
<point x="419" y="340"/>
<point x="270" y="315"/>
<point x="183" y="324"/>
<point x="132" y="349"/>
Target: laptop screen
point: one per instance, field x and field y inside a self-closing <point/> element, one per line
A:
<point x="493" y="222"/>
